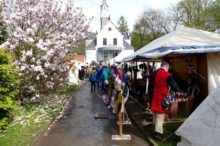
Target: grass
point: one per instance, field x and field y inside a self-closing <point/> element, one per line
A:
<point x="32" y="119"/>
<point x="169" y="129"/>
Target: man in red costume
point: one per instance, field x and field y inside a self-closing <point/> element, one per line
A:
<point x="159" y="83"/>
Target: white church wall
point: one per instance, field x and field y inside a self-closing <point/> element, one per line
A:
<point x="90" y="56"/>
<point x="110" y="32"/>
<point x="109" y="35"/>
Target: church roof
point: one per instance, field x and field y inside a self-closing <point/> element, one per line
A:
<point x="127" y="45"/>
<point x="91" y="45"/>
<point x="125" y="35"/>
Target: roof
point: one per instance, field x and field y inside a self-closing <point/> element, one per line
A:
<point x="125" y="35"/>
<point x="80" y="58"/>
<point x="109" y="47"/>
<point x="110" y="21"/>
<point x="184" y="40"/>
<point x="127" y="46"/>
<point x="91" y="45"/>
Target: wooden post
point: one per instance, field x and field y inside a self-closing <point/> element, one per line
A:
<point x="120" y="123"/>
<point x="120" y="109"/>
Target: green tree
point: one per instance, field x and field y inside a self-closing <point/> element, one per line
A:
<point x="79" y="49"/>
<point x="138" y="36"/>
<point x="8" y="91"/>
<point x="214" y="12"/>
<point x="80" y="46"/>
<point x="122" y="24"/>
<point x="195" y="13"/>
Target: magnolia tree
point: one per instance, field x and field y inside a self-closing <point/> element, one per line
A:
<point x="41" y="34"/>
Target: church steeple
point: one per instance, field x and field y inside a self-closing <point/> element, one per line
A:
<point x="105" y="16"/>
<point x="104" y="2"/>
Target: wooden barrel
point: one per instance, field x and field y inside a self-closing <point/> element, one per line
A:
<point x="117" y="87"/>
<point x="174" y="109"/>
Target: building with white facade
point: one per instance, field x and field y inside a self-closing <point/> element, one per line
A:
<point x="109" y="44"/>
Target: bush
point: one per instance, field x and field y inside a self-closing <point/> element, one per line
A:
<point x="8" y="91"/>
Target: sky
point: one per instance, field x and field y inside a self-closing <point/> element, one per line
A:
<point x="130" y="9"/>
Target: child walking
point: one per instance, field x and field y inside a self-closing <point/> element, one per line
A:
<point x="93" y="79"/>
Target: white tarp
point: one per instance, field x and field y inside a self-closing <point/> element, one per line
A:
<point x="184" y="40"/>
<point x="202" y="127"/>
<point x="74" y="73"/>
<point x="120" y="56"/>
<point x="213" y="60"/>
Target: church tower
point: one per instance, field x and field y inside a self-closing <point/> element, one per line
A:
<point x="105" y="16"/>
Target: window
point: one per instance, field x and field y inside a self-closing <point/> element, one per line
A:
<point x="109" y="29"/>
<point x="115" y="41"/>
<point x="105" y="56"/>
<point x="95" y="42"/>
<point x="104" y="41"/>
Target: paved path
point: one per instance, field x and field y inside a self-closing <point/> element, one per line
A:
<point x="80" y="128"/>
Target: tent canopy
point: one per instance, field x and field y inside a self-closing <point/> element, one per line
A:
<point x="184" y="40"/>
<point x="202" y="127"/>
<point x="120" y="56"/>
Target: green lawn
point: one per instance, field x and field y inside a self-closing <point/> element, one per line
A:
<point x="168" y="130"/>
<point x="32" y="119"/>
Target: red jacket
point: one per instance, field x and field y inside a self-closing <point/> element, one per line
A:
<point x="160" y="91"/>
<point x="119" y="74"/>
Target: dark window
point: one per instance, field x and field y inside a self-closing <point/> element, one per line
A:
<point x="95" y="41"/>
<point x="109" y="29"/>
<point x="104" y="41"/>
<point x="115" y="41"/>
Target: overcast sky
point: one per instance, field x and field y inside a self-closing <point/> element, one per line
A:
<point x="130" y="9"/>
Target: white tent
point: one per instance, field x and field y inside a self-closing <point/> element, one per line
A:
<point x="202" y="128"/>
<point x="73" y="72"/>
<point x="184" y="40"/>
<point x="120" y="56"/>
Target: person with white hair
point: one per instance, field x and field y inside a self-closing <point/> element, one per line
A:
<point x="160" y="81"/>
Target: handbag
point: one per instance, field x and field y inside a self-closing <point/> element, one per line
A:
<point x="166" y="102"/>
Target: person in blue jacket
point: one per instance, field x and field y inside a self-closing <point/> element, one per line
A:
<point x="93" y="79"/>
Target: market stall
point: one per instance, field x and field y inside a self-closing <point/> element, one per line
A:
<point x="193" y="55"/>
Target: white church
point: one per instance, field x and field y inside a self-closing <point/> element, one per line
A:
<point x="109" y="44"/>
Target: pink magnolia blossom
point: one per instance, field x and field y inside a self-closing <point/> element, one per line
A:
<point x="42" y="33"/>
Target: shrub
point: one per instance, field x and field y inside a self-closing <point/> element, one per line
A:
<point x="8" y="91"/>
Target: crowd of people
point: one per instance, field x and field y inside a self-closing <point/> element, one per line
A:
<point x="110" y="81"/>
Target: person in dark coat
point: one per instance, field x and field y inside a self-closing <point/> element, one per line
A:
<point x="160" y="81"/>
<point x="82" y="73"/>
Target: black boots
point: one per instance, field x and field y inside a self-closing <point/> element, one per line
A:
<point x="158" y="136"/>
